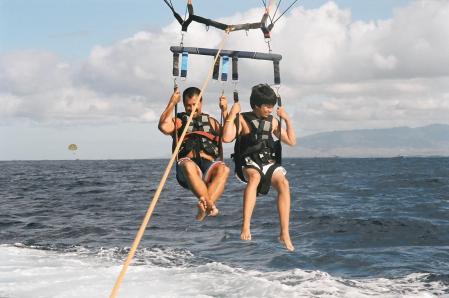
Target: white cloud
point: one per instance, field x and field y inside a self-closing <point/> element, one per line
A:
<point x="337" y="73"/>
<point x="30" y="72"/>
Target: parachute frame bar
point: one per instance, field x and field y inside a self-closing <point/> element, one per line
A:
<point x="230" y="53"/>
<point x="224" y="57"/>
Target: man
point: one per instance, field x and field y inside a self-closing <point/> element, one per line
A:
<point x="198" y="167"/>
<point x="257" y="156"/>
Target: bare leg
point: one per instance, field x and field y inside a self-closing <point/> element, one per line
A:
<point x="197" y="186"/>
<point x="249" y="201"/>
<point x="215" y="187"/>
<point x="283" y="203"/>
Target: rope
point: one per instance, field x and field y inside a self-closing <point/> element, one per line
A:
<point x="277" y="7"/>
<point x="162" y="183"/>
<point x="176" y="124"/>
<point x="285" y="11"/>
<point x="220" y="140"/>
<point x="267" y="9"/>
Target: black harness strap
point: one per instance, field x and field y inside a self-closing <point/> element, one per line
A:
<point x="265" y="183"/>
<point x="209" y="22"/>
<point x="235" y="68"/>
<point x="237" y="152"/>
<point x="216" y="72"/>
<point x="175" y="64"/>
<point x="277" y="72"/>
<point x="236" y="96"/>
<point x="266" y="30"/>
<point x="235" y="76"/>
<point x="185" y="23"/>
<point x="175" y="14"/>
<point x="279" y="143"/>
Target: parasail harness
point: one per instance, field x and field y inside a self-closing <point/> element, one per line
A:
<point x="260" y="138"/>
<point x="257" y="150"/>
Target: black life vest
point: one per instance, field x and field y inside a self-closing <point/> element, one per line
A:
<point x="259" y="143"/>
<point x="200" y="136"/>
<point x="260" y="147"/>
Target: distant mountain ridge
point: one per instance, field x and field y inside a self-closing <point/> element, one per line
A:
<point x="422" y="141"/>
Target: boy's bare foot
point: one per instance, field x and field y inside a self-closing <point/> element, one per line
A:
<point x="201" y="210"/>
<point x="245" y="235"/>
<point x="213" y="211"/>
<point x="286" y="242"/>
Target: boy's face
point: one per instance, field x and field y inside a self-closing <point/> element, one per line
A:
<point x="264" y="110"/>
<point x="190" y="103"/>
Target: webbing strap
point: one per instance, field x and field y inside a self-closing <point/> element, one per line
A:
<point x="175" y="64"/>
<point x="280" y="132"/>
<point x="224" y="68"/>
<point x="185" y="23"/>
<point x="184" y="64"/>
<point x="277" y="73"/>
<point x="235" y="69"/>
<point x="279" y="101"/>
<point x="266" y="30"/>
<point x="216" y="72"/>
<point x="236" y="96"/>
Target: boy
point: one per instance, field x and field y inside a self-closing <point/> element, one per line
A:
<point x="257" y="156"/>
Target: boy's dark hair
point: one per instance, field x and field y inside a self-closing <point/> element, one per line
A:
<point x="189" y="92"/>
<point x="262" y="94"/>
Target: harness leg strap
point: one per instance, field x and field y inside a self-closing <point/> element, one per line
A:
<point x="265" y="182"/>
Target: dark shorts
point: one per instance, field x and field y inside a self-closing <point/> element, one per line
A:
<point x="204" y="169"/>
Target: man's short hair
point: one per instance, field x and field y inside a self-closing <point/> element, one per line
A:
<point x="189" y="92"/>
<point x="262" y="94"/>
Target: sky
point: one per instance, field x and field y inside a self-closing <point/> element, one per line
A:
<point x="98" y="73"/>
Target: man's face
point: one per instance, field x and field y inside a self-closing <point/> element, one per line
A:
<point x="190" y="103"/>
<point x="264" y="110"/>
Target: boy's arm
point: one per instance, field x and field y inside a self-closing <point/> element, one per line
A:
<point x="166" y="121"/>
<point x="288" y="135"/>
<point x="229" y="129"/>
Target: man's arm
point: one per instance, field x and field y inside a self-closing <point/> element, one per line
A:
<point x="288" y="135"/>
<point x="229" y="129"/>
<point x="166" y="121"/>
<point x="223" y="106"/>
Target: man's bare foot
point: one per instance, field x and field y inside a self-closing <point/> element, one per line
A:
<point x="245" y="235"/>
<point x="201" y="210"/>
<point x="286" y="242"/>
<point x="213" y="211"/>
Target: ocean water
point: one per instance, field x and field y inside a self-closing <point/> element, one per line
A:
<point x="361" y="228"/>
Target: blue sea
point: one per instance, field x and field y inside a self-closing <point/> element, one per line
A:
<point x="361" y="228"/>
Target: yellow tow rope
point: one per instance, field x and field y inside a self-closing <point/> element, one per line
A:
<point x="163" y="180"/>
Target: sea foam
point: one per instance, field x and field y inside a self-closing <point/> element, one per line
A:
<point x="32" y="272"/>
